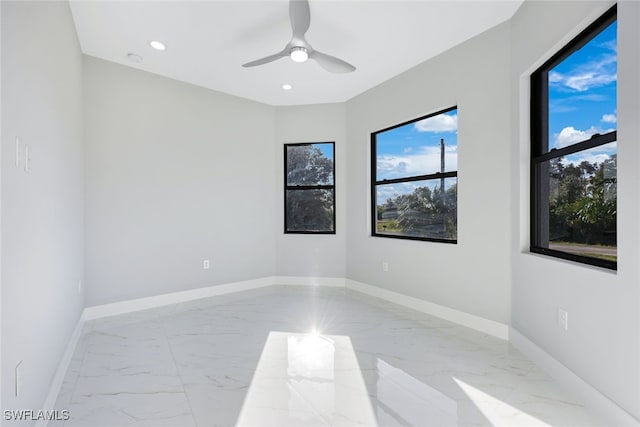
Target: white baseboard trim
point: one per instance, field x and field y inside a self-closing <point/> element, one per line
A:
<point x="122" y="307"/>
<point x="336" y="282"/>
<point x="61" y="371"/>
<point x="490" y="327"/>
<point x="601" y="405"/>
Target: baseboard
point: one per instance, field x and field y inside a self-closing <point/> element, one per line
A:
<point x="122" y="307"/>
<point x="337" y="282"/>
<point x="594" y="400"/>
<point x="478" y="323"/>
<point x="469" y="320"/>
<point x="61" y="371"/>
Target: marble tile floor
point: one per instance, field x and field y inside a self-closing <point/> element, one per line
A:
<point x="303" y="356"/>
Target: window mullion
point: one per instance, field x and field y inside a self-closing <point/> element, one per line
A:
<point x="429" y="177"/>
<point x="595" y="141"/>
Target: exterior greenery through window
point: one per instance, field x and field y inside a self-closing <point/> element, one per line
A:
<point x="309" y="196"/>
<point x="574" y="156"/>
<point x="415" y="180"/>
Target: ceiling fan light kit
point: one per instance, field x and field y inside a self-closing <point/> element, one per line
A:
<point x="298" y="54"/>
<point x="298" y="49"/>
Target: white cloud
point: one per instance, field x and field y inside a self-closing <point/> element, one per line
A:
<point x="571" y="135"/>
<point x="586" y="81"/>
<point x="587" y="76"/>
<point x="570" y="103"/>
<point x="611" y="45"/>
<point x="384" y="192"/>
<point x="595" y="155"/>
<point x="426" y="161"/>
<point x="592" y="158"/>
<point x="609" y="118"/>
<point x="439" y="123"/>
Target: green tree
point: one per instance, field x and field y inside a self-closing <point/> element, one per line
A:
<point x="582" y="201"/>
<point x="427" y="212"/>
<point x="415" y="210"/>
<point x="596" y="211"/>
<point x="309" y="209"/>
<point x="307" y="165"/>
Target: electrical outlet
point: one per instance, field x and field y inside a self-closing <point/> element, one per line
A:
<point x="18" y="378"/>
<point x="385" y="266"/>
<point x="563" y="319"/>
<point x="206" y="264"/>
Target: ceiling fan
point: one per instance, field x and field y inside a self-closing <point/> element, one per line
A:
<point x="298" y="48"/>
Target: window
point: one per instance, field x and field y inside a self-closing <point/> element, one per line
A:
<point x="309" y="195"/>
<point x="573" y="149"/>
<point x="414" y="179"/>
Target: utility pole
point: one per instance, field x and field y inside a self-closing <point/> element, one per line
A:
<point x="442" y="198"/>
<point x="442" y="166"/>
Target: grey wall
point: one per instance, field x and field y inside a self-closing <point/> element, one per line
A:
<point x="602" y="344"/>
<point x="312" y="255"/>
<point x="472" y="276"/>
<point x="175" y="174"/>
<point x="42" y="214"/>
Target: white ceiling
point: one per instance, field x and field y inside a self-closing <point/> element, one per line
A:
<point x="209" y="41"/>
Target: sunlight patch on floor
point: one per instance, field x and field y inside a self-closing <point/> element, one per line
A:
<point x="307" y="379"/>
<point x="496" y="411"/>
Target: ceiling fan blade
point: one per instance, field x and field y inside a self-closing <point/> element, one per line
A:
<point x="266" y="59"/>
<point x="331" y="63"/>
<point x="300" y="17"/>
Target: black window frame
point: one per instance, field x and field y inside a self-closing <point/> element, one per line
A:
<point x="331" y="187"/>
<point x="540" y="152"/>
<point x="427" y="177"/>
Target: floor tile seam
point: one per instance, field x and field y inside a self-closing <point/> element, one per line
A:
<point x="175" y="363"/>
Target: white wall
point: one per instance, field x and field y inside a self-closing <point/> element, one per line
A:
<point x="175" y="174"/>
<point x="602" y="345"/>
<point x="472" y="276"/>
<point x="42" y="214"/>
<point x="303" y="254"/>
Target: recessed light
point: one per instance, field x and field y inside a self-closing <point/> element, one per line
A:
<point x="157" y="45"/>
<point x="287" y="86"/>
<point x="134" y="57"/>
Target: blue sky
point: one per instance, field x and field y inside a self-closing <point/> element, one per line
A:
<point x="326" y="149"/>
<point x="414" y="149"/>
<point x="582" y="96"/>
<point x="582" y="102"/>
